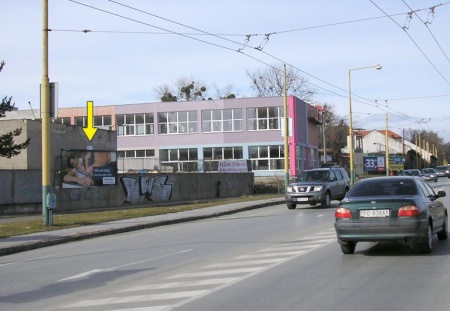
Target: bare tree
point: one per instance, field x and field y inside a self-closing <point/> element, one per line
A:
<point x="226" y="92"/>
<point x="270" y="82"/>
<point x="184" y="89"/>
<point x="336" y="132"/>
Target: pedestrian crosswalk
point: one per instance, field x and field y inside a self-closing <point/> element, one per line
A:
<point x="179" y="289"/>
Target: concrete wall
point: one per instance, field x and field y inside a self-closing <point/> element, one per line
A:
<point x="61" y="137"/>
<point x="21" y="190"/>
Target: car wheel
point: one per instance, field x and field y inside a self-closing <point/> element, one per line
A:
<point x="291" y="205"/>
<point x="326" y="203"/>
<point x="426" y="243"/>
<point x="348" y="248"/>
<point x="443" y="234"/>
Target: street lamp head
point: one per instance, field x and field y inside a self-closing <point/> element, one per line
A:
<point x="378" y="66"/>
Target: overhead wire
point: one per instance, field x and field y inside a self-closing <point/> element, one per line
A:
<point x="426" y="25"/>
<point x="414" y="42"/>
<point x="259" y="48"/>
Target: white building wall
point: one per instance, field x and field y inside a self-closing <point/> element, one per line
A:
<point x="375" y="142"/>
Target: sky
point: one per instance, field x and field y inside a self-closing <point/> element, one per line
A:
<point x="117" y="53"/>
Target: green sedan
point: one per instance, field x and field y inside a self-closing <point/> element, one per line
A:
<point x="399" y="208"/>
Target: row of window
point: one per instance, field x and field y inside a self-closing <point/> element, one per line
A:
<point x="183" y="122"/>
<point x="261" y="157"/>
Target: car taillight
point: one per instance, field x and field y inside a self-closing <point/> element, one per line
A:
<point x="343" y="212"/>
<point x="408" y="211"/>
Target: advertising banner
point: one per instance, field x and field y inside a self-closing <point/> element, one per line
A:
<point x="88" y="168"/>
<point x="378" y="163"/>
<point x="233" y="166"/>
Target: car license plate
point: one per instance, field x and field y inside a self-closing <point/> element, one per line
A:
<point x="374" y="213"/>
<point x="301" y="199"/>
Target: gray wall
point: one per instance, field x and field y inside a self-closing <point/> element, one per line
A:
<point x="21" y="190"/>
<point x="61" y="137"/>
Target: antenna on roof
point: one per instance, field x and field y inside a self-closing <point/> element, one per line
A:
<point x="32" y="110"/>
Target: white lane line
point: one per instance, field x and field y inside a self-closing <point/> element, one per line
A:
<point x="215" y="272"/>
<point x="85" y="274"/>
<point x="139" y="298"/>
<point x="274" y="254"/>
<point x="154" y="308"/>
<point x="245" y="263"/>
<point x="95" y="271"/>
<point x="180" y="284"/>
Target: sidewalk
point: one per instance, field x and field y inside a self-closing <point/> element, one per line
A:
<point x="22" y="243"/>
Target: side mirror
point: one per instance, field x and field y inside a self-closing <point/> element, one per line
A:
<point x="441" y="194"/>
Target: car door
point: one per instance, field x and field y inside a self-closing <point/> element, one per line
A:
<point x="334" y="184"/>
<point x="436" y="206"/>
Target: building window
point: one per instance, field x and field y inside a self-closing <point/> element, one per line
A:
<point x="179" y="160"/>
<point x="177" y="122"/>
<point x="264" y="118"/>
<point x="226" y="120"/>
<point x="267" y="158"/>
<point x="212" y="156"/>
<point x="149" y="153"/>
<point x="61" y="120"/>
<point x="135" y="124"/>
<point x="80" y="121"/>
<point x="102" y="122"/>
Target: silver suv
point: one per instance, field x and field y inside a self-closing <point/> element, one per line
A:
<point x="319" y="185"/>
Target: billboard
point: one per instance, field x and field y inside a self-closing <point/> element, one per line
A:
<point x="377" y="163"/>
<point x="88" y="168"/>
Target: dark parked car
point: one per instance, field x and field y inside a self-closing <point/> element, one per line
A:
<point x="411" y="172"/>
<point x="398" y="208"/>
<point x="319" y="185"/>
<point x="443" y="171"/>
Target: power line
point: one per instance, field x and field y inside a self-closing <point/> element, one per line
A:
<point x="426" y="25"/>
<point x="259" y="48"/>
<point x="417" y="46"/>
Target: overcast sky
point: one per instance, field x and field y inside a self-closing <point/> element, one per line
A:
<point x="128" y="51"/>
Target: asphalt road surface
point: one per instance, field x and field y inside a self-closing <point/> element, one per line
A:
<point x="265" y="259"/>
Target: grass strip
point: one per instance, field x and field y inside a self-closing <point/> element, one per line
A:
<point x="63" y="221"/>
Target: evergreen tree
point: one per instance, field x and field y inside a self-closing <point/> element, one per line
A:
<point x="8" y="148"/>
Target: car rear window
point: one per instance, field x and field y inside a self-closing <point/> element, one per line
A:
<point x="373" y="187"/>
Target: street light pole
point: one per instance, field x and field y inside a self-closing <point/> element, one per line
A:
<point x="351" y="150"/>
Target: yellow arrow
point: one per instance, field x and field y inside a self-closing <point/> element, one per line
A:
<point x="90" y="130"/>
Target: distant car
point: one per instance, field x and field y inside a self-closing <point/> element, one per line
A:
<point x="429" y="174"/>
<point x="398" y="208"/>
<point x="411" y="172"/>
<point x="318" y="186"/>
<point x="443" y="171"/>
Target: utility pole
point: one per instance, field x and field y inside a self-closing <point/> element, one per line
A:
<point x="286" y="135"/>
<point x="45" y="118"/>
<point x="387" y="146"/>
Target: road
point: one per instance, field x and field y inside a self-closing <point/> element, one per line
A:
<point x="265" y="259"/>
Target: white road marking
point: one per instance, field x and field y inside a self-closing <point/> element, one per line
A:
<point x="154" y="308"/>
<point x="214" y="272"/>
<point x="139" y="298"/>
<point x="273" y="254"/>
<point x="180" y="284"/>
<point x="244" y="267"/>
<point x="91" y="272"/>
<point x="246" y="263"/>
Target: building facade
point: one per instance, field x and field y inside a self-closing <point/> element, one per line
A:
<point x="194" y="136"/>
